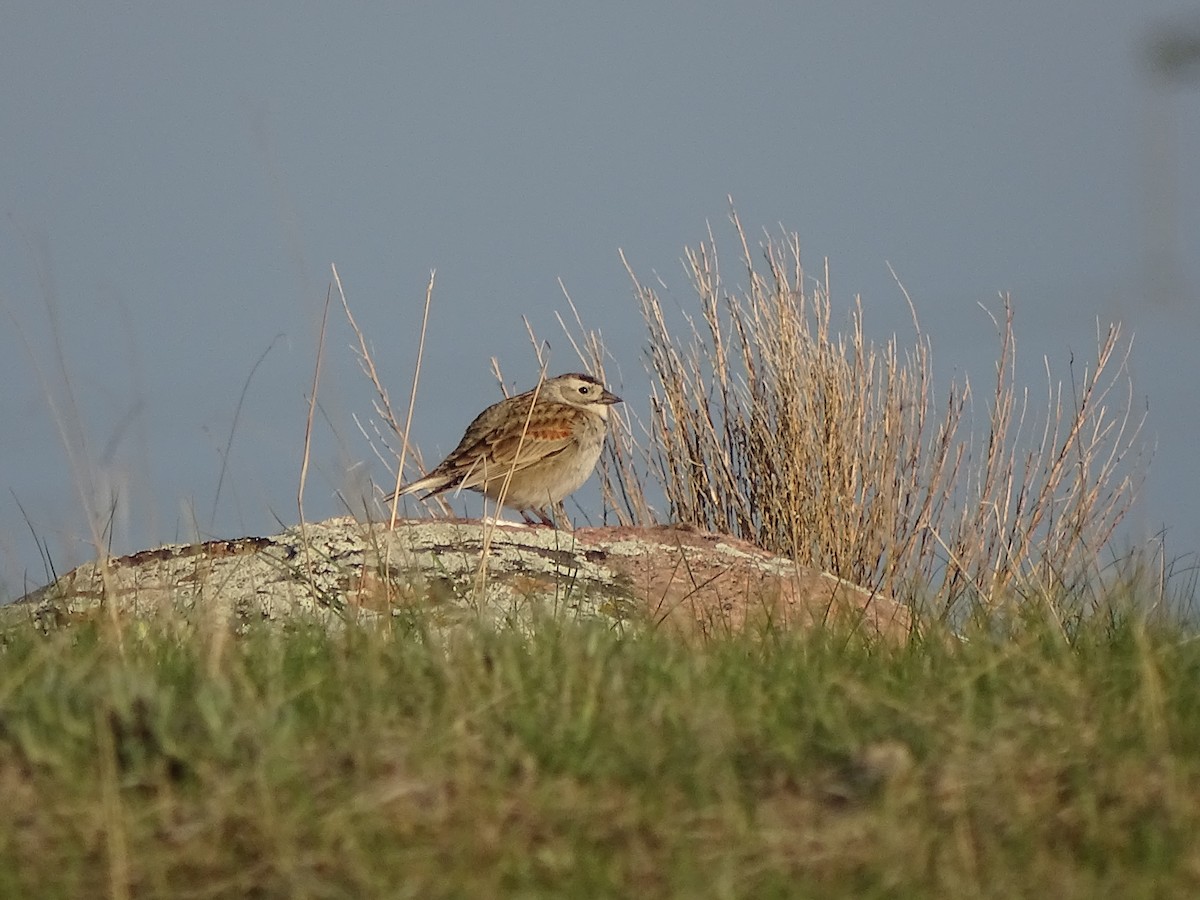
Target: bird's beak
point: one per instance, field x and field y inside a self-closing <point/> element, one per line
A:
<point x="609" y="398"/>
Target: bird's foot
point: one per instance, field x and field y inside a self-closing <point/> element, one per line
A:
<point x="542" y="517"/>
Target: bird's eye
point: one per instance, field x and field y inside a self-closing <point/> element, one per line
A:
<point x="585" y="390"/>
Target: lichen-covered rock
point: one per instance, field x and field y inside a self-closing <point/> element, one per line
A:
<point x="342" y="569"/>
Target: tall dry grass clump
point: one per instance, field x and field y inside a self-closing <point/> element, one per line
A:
<point x="835" y="451"/>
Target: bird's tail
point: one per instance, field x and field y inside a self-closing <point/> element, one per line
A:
<point x="433" y="484"/>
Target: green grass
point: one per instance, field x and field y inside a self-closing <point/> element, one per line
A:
<point x="575" y="763"/>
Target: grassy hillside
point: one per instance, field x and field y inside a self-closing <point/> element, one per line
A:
<point x="576" y="763"/>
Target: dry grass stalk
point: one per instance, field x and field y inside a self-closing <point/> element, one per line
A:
<point x="831" y="449"/>
<point x="408" y="454"/>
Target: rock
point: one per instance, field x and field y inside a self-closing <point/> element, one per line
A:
<point x="342" y="569"/>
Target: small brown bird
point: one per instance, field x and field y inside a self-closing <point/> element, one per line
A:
<point x="550" y="450"/>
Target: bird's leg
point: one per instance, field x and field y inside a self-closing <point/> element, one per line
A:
<point x="546" y="520"/>
<point x="529" y="520"/>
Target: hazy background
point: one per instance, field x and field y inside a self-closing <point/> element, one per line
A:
<point x="175" y="181"/>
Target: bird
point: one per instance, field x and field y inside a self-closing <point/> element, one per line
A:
<point x="548" y="438"/>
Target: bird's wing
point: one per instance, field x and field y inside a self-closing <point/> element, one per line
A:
<point x="449" y="472"/>
<point x="512" y="445"/>
<point x="494" y="435"/>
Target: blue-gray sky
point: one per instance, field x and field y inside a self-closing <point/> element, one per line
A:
<point x="176" y="180"/>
